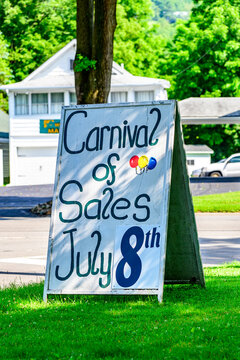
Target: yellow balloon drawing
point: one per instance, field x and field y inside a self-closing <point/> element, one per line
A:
<point x="143" y="161"/>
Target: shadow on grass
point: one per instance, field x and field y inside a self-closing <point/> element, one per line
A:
<point x="215" y="276"/>
<point x="191" y="323"/>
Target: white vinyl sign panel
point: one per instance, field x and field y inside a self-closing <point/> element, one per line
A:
<point x="110" y="209"/>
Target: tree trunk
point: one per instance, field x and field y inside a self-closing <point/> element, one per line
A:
<point x="96" y="23"/>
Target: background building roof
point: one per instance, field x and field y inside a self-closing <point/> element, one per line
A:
<point x="198" y="149"/>
<point x="210" y="110"/>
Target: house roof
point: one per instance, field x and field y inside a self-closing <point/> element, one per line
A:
<point x="62" y="78"/>
<point x="67" y="81"/>
<point x="220" y="110"/>
<point x="198" y="149"/>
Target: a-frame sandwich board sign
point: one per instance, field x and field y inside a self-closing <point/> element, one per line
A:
<point x="122" y="217"/>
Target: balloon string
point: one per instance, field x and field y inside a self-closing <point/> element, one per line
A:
<point x="141" y="171"/>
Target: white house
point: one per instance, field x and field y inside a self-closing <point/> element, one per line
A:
<point x="35" y="106"/>
<point x="197" y="156"/>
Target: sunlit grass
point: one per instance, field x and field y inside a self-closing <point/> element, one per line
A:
<point x="226" y="202"/>
<point x="192" y="322"/>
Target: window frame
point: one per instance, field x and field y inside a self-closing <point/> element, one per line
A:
<point x="46" y="103"/>
<point x="25" y="105"/>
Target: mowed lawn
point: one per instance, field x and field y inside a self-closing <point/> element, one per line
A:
<point x="192" y="323"/>
<point x="226" y="202"/>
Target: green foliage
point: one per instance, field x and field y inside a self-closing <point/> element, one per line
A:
<point x="35" y="30"/>
<point x="83" y="63"/>
<point x="226" y="202"/>
<point x="137" y="41"/>
<point x="223" y="139"/>
<point x="204" y="58"/>
<point x="192" y="323"/>
<point x="3" y="101"/>
<point x="5" y="72"/>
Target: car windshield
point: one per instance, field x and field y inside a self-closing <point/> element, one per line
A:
<point x="221" y="161"/>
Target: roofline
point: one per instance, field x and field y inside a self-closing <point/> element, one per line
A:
<point x="28" y="88"/>
<point x="197" y="98"/>
<point x="199" y="152"/>
<point x="210" y="120"/>
<point x="121" y="69"/>
<point x="50" y="60"/>
<point x="141" y="85"/>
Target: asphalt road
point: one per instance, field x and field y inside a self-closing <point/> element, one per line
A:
<point x="24" y="236"/>
<point x="16" y="201"/>
<point x="24" y="240"/>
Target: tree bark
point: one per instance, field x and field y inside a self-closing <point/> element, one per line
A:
<point x="96" y="23"/>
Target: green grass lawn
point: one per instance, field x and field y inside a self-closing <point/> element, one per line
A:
<point x="226" y="202"/>
<point x="192" y="323"/>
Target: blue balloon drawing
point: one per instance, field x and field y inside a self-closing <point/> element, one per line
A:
<point x="152" y="163"/>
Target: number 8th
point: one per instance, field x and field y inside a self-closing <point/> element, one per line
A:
<point x="130" y="254"/>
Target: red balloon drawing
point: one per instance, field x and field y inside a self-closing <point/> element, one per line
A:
<point x="134" y="161"/>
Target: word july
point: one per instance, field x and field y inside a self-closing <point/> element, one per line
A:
<point x="92" y="269"/>
<point x="138" y="136"/>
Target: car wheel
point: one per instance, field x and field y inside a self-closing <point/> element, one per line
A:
<point x="215" y="174"/>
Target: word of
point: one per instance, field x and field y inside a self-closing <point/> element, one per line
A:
<point x="96" y="209"/>
<point x="130" y="255"/>
<point x="92" y="269"/>
<point x="108" y="168"/>
<point x="139" y="136"/>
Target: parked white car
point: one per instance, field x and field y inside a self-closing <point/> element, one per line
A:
<point x="224" y="167"/>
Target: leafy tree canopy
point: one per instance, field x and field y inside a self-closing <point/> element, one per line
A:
<point x="138" y="44"/>
<point x="35" y="30"/>
<point x="5" y="72"/>
<point x="204" y="58"/>
<point x="223" y="139"/>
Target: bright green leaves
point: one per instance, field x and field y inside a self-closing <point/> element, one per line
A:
<point x="138" y="41"/>
<point x="35" y="30"/>
<point x="83" y="63"/>
<point x="204" y="57"/>
<point x="5" y="72"/>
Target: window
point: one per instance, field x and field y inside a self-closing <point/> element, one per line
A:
<point x="144" y="96"/>
<point x="190" y="162"/>
<point x="235" y="159"/>
<point x="118" y="97"/>
<point x="71" y="64"/>
<point x="21" y="104"/>
<point x="39" y="103"/>
<point x="73" y="99"/>
<point x="57" y="101"/>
